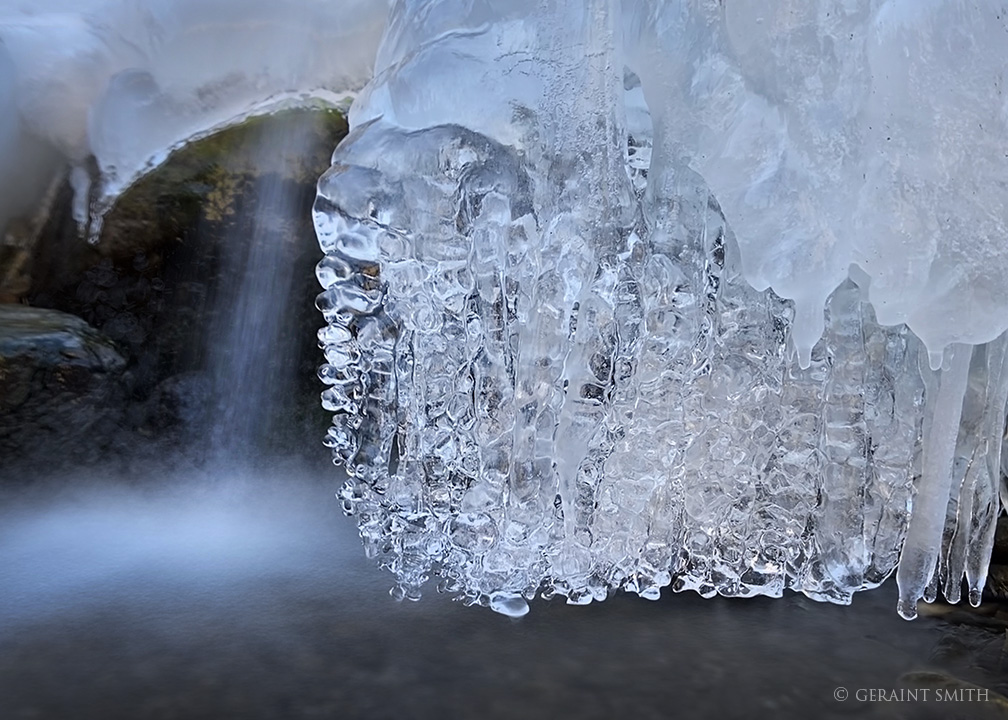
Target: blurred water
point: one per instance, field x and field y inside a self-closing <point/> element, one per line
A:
<point x="250" y="341"/>
<point x="245" y="595"/>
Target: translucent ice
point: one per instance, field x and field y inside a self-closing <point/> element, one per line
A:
<point x="834" y="133"/>
<point x="556" y="367"/>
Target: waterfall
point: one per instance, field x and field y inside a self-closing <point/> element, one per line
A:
<point x="252" y="351"/>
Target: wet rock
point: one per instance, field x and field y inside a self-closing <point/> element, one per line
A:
<point x="19" y="240"/>
<point x="62" y="388"/>
<point x="997" y="576"/>
<point x="1000" y="552"/>
<point x="152" y="284"/>
<point x="997" y="582"/>
<point x="15" y="263"/>
<point x="179" y="405"/>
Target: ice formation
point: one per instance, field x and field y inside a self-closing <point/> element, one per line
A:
<point x="706" y="293"/>
<point x="123" y="82"/>
<point x="557" y="368"/>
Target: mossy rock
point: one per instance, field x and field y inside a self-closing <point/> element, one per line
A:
<point x="150" y="283"/>
<point x="204" y="180"/>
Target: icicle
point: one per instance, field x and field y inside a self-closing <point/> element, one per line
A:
<point x="923" y="541"/>
<point x="985" y="502"/>
<point x="973" y="509"/>
<point x="966" y="469"/>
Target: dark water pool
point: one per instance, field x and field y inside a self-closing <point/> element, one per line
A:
<point x="246" y="595"/>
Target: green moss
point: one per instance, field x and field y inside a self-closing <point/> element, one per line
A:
<point x="202" y="180"/>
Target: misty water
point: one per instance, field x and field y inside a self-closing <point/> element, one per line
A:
<point x="224" y="582"/>
<point x="216" y="593"/>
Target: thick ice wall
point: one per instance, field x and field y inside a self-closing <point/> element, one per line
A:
<point x="128" y="80"/>
<point x="938" y="143"/>
<point x="498" y="48"/>
<point x="846" y="132"/>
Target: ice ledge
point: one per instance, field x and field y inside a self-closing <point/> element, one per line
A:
<point x="126" y="82"/>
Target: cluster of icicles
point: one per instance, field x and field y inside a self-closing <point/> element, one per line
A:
<point x="556" y="368"/>
<point x="618" y="294"/>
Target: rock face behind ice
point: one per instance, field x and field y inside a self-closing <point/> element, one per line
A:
<point x="549" y="367"/>
<point x="62" y="389"/>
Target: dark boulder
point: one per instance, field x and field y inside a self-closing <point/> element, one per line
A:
<point x="62" y="388"/>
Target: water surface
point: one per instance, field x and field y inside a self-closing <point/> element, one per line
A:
<point x="244" y="593"/>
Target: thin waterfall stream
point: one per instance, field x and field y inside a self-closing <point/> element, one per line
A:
<point x="250" y="342"/>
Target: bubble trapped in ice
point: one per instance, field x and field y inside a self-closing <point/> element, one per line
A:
<point x="558" y="334"/>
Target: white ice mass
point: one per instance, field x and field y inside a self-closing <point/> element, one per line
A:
<point x="125" y="81"/>
<point x="700" y="293"/>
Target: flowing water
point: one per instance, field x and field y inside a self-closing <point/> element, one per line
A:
<point x="249" y="340"/>
<point x="246" y="595"/>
